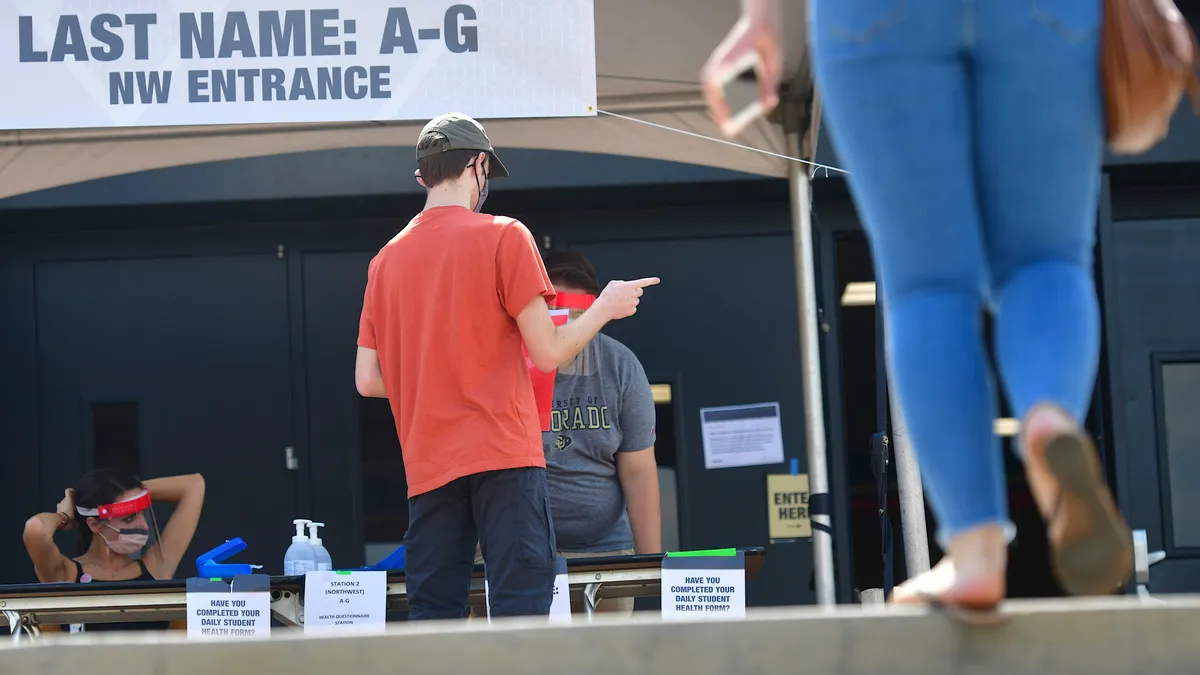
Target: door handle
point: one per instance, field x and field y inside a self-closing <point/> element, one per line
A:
<point x="1143" y="558"/>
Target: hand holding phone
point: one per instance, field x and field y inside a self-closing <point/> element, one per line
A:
<point x="741" y="79"/>
<point x="741" y="91"/>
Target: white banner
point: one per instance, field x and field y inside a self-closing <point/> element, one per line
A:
<point x="119" y="63"/>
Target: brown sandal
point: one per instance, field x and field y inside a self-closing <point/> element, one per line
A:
<point x="1091" y="543"/>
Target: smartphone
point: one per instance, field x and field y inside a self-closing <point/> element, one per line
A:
<point x="739" y="86"/>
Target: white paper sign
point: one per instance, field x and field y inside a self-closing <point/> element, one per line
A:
<point x="219" y="609"/>
<point x="345" y="601"/>
<point x="741" y="435"/>
<point x="560" y="606"/>
<point x="709" y="587"/>
<point x="112" y="63"/>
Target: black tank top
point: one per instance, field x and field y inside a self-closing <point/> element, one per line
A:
<point x="139" y="625"/>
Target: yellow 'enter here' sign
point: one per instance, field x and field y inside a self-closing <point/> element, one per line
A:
<point x="787" y="506"/>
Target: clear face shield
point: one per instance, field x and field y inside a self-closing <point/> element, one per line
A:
<point x="128" y="526"/>
<point x="566" y="308"/>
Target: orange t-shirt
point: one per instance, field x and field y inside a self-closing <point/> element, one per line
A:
<point x="440" y="309"/>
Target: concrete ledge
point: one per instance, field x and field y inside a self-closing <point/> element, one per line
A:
<point x="1117" y="636"/>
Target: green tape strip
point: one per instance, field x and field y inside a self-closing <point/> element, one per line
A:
<point x="345" y="572"/>
<point x="711" y="553"/>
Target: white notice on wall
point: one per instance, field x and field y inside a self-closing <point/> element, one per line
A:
<point x="345" y="600"/>
<point x="219" y="609"/>
<point x="560" y="605"/>
<point x="704" y="587"/>
<point x="741" y="435"/>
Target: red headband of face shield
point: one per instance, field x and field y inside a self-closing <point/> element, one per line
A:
<point x="124" y="509"/>
<point x="578" y="301"/>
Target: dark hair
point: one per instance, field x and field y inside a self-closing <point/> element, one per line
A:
<point x="572" y="269"/>
<point x="444" y="166"/>
<point x="95" y="488"/>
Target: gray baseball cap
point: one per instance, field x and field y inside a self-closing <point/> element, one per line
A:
<point x="460" y="132"/>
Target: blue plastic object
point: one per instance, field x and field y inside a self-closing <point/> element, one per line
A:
<point x="394" y="561"/>
<point x="211" y="565"/>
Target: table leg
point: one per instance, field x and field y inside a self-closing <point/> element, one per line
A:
<point x="589" y="599"/>
<point x="14" y="624"/>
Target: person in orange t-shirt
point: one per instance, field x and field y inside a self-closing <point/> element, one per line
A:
<point x="449" y="301"/>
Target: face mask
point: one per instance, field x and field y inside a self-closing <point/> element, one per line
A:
<point x="482" y="196"/>
<point x="483" y="192"/>
<point x="130" y="540"/>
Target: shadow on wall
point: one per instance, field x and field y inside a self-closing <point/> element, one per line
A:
<point x="669" y="508"/>
<point x="352" y="172"/>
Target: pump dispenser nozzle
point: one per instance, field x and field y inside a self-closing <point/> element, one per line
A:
<point x="300" y="523"/>
<point x="324" y="562"/>
<point x="299" y="558"/>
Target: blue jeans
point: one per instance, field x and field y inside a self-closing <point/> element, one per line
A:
<point x="973" y="134"/>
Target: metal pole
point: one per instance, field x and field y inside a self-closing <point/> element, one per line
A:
<point x="881" y="454"/>
<point x="810" y="367"/>
<point x="908" y="473"/>
<point x="912" y="495"/>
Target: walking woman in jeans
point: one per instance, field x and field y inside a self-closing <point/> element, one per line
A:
<point x="973" y="134"/>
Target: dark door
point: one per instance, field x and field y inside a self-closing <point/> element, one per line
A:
<point x="361" y="492"/>
<point x="172" y="366"/>
<point x="723" y="325"/>
<point x="1154" y="335"/>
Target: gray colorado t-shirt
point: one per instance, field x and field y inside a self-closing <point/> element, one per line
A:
<point x="602" y="406"/>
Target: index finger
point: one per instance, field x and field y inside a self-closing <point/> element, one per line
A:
<point x="644" y="282"/>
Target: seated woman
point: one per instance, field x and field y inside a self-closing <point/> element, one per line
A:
<point x="119" y="539"/>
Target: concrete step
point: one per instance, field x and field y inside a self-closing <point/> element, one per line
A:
<point x="1109" y="636"/>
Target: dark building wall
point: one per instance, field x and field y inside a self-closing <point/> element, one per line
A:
<point x="56" y="264"/>
<point x="1150" y="242"/>
<point x="232" y="329"/>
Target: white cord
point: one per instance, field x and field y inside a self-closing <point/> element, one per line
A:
<point x="722" y="141"/>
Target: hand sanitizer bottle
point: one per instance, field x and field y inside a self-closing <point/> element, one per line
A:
<point x="324" y="562"/>
<point x="300" y="557"/>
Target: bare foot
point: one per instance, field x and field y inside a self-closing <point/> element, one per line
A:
<point x="970" y="575"/>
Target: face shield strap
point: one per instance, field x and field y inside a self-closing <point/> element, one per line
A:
<point x="124" y="509"/>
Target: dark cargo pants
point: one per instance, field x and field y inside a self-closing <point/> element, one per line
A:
<point x="508" y="513"/>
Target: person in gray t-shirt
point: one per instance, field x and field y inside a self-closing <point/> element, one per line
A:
<point x="600" y="467"/>
<point x="600" y="448"/>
